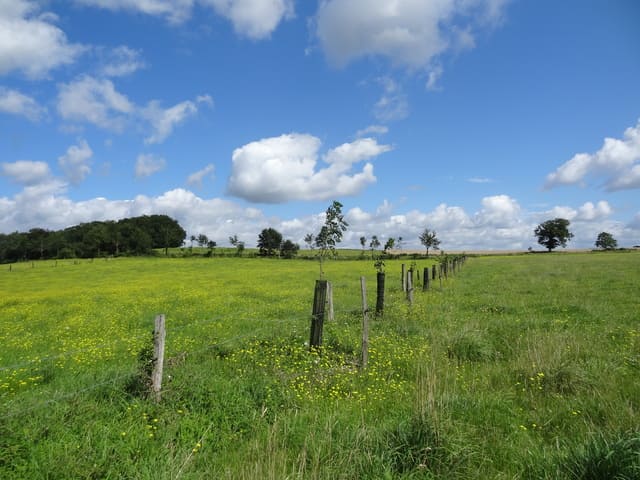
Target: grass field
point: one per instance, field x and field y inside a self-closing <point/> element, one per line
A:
<point x="518" y="367"/>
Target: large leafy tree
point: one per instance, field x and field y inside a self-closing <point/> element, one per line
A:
<point x="606" y="241"/>
<point x="553" y="233"/>
<point x="288" y="249"/>
<point x="429" y="239"/>
<point x="269" y="242"/>
<point x="331" y="232"/>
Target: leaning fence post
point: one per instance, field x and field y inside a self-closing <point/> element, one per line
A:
<point x="159" y="334"/>
<point x="317" y="316"/>
<point x="365" y="325"/>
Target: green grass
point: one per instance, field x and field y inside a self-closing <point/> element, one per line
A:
<point x="519" y="367"/>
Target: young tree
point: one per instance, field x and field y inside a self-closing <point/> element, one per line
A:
<point x="553" y="233"/>
<point x="331" y="232"/>
<point x="309" y="239"/>
<point x="269" y="242"/>
<point x="606" y="241"/>
<point x="374" y="244"/>
<point x="363" y="242"/>
<point x="202" y="240"/>
<point x="389" y="245"/>
<point x="239" y="244"/>
<point x="429" y="239"/>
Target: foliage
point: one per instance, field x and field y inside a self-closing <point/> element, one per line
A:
<point x="389" y="244"/>
<point x="239" y="244"/>
<point x="309" y="239"/>
<point x="269" y="242"/>
<point x="138" y="235"/>
<point x="288" y="249"/>
<point x="606" y="241"/>
<point x="553" y="233"/>
<point x="331" y="232"/>
<point x="429" y="239"/>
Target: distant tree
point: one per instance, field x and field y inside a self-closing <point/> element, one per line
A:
<point x="269" y="242"/>
<point x="211" y="244"/>
<point x="288" y="249"/>
<point x="606" y="241"/>
<point x="374" y="244"/>
<point x="309" y="239"/>
<point x="233" y="240"/>
<point x="553" y="233"/>
<point x="389" y="245"/>
<point x="202" y="240"/>
<point x="193" y="239"/>
<point x="363" y="242"/>
<point x="331" y="232"/>
<point x="400" y="243"/>
<point x="429" y="239"/>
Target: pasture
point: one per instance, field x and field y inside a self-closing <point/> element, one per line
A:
<point x="517" y="367"/>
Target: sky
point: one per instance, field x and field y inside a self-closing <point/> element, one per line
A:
<point x="478" y="119"/>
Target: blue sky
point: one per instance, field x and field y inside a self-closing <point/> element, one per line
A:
<point x="475" y="118"/>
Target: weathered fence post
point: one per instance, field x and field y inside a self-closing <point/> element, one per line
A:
<point x="410" y="287"/>
<point x="433" y="272"/>
<point x="159" y="334"/>
<point x="425" y="279"/>
<point x="365" y="325"/>
<point x="330" y="315"/>
<point x="317" y="316"/>
<point x="404" y="277"/>
<point x="380" y="293"/>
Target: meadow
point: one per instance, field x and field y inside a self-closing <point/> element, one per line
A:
<point x="517" y="367"/>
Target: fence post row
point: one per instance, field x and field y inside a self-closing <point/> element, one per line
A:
<point x="317" y="315"/>
<point x="159" y="334"/>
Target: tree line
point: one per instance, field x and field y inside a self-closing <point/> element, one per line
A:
<point x="129" y="236"/>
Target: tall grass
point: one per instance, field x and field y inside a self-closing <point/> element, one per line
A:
<point x="519" y="367"/>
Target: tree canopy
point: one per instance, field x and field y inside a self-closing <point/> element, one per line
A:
<point x="429" y="239"/>
<point x="606" y="241"/>
<point x="553" y="233"/>
<point x="269" y="242"/>
<point x="130" y="236"/>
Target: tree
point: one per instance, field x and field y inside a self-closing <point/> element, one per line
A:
<point x="429" y="239"/>
<point x="363" y="242"/>
<point x="269" y="242"/>
<point x="288" y="249"/>
<point x="606" y="241"/>
<point x="389" y="245"/>
<point x="309" y="239"/>
<point x="202" y="240"/>
<point x="238" y="244"/>
<point x="553" y="233"/>
<point x="331" y="232"/>
<point x="374" y="244"/>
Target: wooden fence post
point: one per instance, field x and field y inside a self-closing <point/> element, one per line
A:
<point x="380" y="293"/>
<point x="425" y="279"/>
<point x="159" y="334"/>
<point x="410" y="287"/>
<point x="433" y="272"/>
<point x="330" y="316"/>
<point x="404" y="277"/>
<point x="365" y="325"/>
<point x="317" y="316"/>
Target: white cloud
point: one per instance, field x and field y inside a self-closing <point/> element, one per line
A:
<point x="499" y="211"/>
<point x="75" y="162"/>
<point x="253" y="18"/>
<point x="16" y="103"/>
<point x="393" y="104"/>
<point x="411" y="33"/>
<point x="175" y="11"/>
<point x="196" y="178"/>
<point x="281" y="169"/>
<point x="122" y="61"/>
<point x="26" y="172"/>
<point x="432" y="78"/>
<point x="618" y="160"/>
<point x="148" y="164"/>
<point x="96" y="101"/>
<point x="589" y="211"/>
<point x="163" y="121"/>
<point x="31" y="43"/>
<point x="372" y="130"/>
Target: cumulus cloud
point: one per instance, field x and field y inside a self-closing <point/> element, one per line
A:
<point x="26" y="172"/>
<point x="196" y="178"/>
<point x="96" y="101"/>
<point x="411" y="33"/>
<point x="281" y="169"/>
<point x="30" y="42"/>
<point x="16" y="103"/>
<point x="148" y="164"/>
<point x="75" y="162"/>
<point x="372" y="130"/>
<point x="253" y="18"/>
<point x="163" y="121"/>
<point x="618" y="161"/>
<point x="122" y="61"/>
<point x="499" y="211"/>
